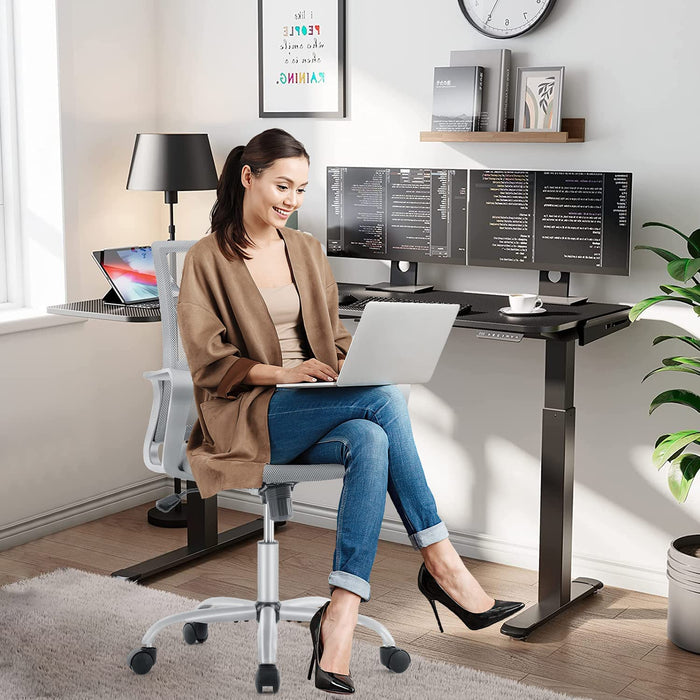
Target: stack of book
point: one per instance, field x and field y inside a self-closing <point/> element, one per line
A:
<point x="471" y="94"/>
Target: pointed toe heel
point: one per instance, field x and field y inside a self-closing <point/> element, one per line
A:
<point x="337" y="683"/>
<point x="430" y="588"/>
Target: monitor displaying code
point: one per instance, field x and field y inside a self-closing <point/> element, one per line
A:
<point x="546" y="220"/>
<point x="412" y="214"/>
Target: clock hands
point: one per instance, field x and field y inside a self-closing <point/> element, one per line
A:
<point x="488" y="18"/>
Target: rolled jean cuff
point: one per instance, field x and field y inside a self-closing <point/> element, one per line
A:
<point x="350" y="582"/>
<point x="430" y="535"/>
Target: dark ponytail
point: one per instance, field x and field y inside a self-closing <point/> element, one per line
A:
<point x="227" y="213"/>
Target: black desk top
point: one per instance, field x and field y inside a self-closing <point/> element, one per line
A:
<point x="587" y="322"/>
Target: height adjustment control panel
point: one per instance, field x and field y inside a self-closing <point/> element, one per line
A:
<point x="500" y="335"/>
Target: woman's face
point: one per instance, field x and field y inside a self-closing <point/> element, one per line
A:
<point x="274" y="194"/>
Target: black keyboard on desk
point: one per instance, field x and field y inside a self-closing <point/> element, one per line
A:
<point x="361" y="303"/>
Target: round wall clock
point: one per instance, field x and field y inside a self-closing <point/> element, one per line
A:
<point x="504" y="19"/>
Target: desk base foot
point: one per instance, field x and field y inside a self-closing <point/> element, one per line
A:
<point x="520" y="626"/>
<point x="152" y="567"/>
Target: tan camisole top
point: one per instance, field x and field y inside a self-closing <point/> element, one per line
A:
<point x="285" y="311"/>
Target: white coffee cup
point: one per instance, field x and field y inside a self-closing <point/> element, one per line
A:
<point x="524" y="303"/>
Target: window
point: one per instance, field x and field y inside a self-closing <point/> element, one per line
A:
<point x="7" y="119"/>
<point x="32" y="273"/>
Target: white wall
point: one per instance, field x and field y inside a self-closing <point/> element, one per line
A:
<point x="193" y="66"/>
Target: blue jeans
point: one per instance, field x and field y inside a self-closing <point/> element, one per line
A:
<point x="368" y="430"/>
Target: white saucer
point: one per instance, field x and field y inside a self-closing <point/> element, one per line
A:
<point x="508" y="312"/>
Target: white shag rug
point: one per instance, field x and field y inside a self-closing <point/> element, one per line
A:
<point x="67" y="634"/>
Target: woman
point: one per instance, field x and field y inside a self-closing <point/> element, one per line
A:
<point x="258" y="307"/>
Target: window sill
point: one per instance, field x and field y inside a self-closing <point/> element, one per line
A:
<point x="19" y="320"/>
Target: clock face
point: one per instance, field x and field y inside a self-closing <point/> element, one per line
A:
<point x="504" y="19"/>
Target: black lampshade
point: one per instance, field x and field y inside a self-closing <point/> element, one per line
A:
<point x="172" y="162"/>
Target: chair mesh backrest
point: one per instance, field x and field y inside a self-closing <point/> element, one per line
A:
<point x="168" y="260"/>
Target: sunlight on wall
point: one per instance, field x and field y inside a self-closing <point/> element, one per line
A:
<point x="623" y="536"/>
<point x="513" y="490"/>
<point x="449" y="471"/>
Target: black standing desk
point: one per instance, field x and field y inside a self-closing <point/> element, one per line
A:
<point x="562" y="328"/>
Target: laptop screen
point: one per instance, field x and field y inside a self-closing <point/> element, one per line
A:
<point x="130" y="271"/>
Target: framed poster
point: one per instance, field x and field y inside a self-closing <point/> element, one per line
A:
<point x="538" y="99"/>
<point x="301" y="58"/>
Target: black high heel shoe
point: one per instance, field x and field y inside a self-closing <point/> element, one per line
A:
<point x="430" y="588"/>
<point x="325" y="680"/>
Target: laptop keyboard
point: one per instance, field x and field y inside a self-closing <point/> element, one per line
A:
<point x="360" y="305"/>
<point x="146" y="305"/>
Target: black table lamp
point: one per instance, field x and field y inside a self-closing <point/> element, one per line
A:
<point x="172" y="163"/>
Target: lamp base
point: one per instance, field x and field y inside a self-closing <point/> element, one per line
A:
<point x="177" y="517"/>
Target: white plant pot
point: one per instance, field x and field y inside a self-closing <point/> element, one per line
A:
<point x="683" y="572"/>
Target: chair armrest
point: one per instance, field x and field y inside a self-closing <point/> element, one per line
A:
<point x="172" y="460"/>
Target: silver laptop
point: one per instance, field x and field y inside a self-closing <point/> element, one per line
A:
<point x="395" y="343"/>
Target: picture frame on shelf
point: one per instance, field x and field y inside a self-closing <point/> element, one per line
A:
<point x="301" y="58"/>
<point x="538" y="98"/>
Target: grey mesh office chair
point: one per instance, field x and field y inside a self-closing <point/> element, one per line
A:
<point x="168" y="456"/>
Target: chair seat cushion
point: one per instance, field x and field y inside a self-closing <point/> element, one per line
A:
<point x="296" y="473"/>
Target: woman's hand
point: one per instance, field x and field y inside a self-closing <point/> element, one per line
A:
<point x="309" y="371"/>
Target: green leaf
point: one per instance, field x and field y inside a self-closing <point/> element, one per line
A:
<point x="693" y="241"/>
<point x="644" y="304"/>
<point x="673" y="444"/>
<point x="679" y="396"/>
<point x="692" y="293"/>
<point x="667" y="255"/>
<point x="681" y="473"/>
<point x="689" y="339"/>
<point x="659" y="440"/>
<point x="683" y="268"/>
<point x="674" y="368"/>
<point x="646" y="224"/>
<point x="687" y="361"/>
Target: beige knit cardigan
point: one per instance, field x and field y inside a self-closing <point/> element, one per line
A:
<point x="226" y="329"/>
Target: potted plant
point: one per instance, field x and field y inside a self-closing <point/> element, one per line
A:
<point x="675" y="449"/>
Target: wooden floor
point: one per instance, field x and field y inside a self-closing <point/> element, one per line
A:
<point x="612" y="644"/>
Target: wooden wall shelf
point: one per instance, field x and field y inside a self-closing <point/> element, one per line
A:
<point x="573" y="131"/>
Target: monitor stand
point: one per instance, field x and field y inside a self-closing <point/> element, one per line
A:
<point x="403" y="278"/>
<point x="556" y="291"/>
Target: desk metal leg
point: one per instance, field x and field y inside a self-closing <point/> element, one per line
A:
<point x="203" y="538"/>
<point x="556" y="590"/>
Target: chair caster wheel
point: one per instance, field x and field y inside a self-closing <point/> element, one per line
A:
<point x="395" y="659"/>
<point x="141" y="660"/>
<point x="195" y="632"/>
<point x="267" y="679"/>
